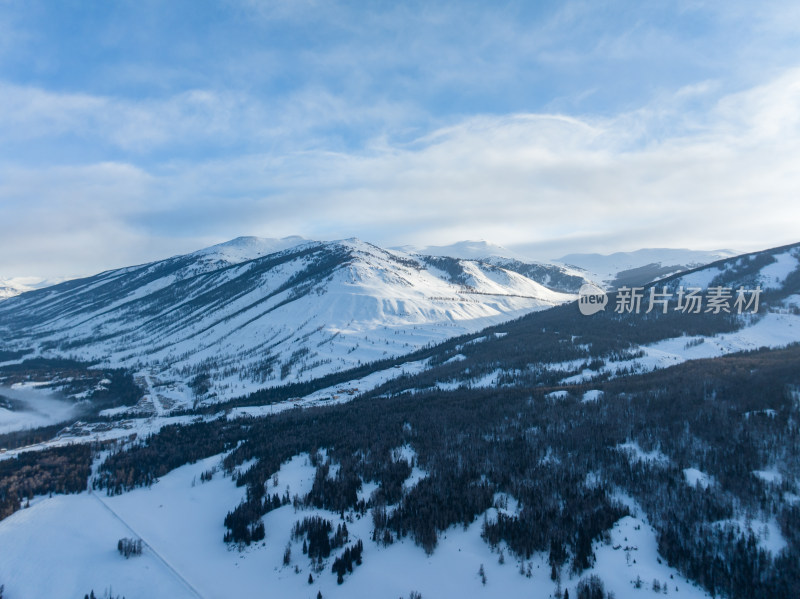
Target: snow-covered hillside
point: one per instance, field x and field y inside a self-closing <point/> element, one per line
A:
<point x="252" y="313"/>
<point x="558" y="277"/>
<point x="612" y="344"/>
<point x="568" y="272"/>
<point x="178" y="519"/>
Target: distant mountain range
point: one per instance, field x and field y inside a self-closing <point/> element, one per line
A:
<point x="467" y="250"/>
<point x="639" y="267"/>
<point x="17" y="285"/>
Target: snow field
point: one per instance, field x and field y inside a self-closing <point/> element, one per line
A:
<point x="180" y="519"/>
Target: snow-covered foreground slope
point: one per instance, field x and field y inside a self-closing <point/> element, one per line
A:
<point x="66" y="545"/>
<point x="253" y="313"/>
<point x="74" y="539"/>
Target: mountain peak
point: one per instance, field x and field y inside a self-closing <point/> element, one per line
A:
<point x="248" y="247"/>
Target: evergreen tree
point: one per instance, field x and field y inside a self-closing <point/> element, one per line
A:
<point x="591" y="588"/>
<point x="287" y="554"/>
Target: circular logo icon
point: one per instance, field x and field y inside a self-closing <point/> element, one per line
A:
<point x="591" y="299"/>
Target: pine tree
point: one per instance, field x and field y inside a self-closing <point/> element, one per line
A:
<point x="287" y="555"/>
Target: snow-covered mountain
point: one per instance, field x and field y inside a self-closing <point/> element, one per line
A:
<point x="15" y="286"/>
<point x="250" y="316"/>
<point x="467" y="250"/>
<point x="641" y="266"/>
<point x="569" y="272"/>
<point x="9" y="290"/>
<point x="554" y="276"/>
<point x="246" y="248"/>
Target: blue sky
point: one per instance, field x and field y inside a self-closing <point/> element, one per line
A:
<point x="130" y="131"/>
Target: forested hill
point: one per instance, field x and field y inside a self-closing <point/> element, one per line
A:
<point x="569" y="459"/>
<point x="562" y="346"/>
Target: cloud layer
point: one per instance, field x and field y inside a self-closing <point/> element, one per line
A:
<point x="564" y="130"/>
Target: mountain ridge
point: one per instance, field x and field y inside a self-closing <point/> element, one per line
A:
<point x="250" y="317"/>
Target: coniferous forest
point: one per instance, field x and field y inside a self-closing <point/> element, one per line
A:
<point x="562" y="459"/>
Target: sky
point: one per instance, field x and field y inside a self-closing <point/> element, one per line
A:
<point x="132" y="131"/>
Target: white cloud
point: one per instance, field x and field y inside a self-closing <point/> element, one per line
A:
<point x="28" y="112"/>
<point x="188" y="123"/>
<point x="723" y="176"/>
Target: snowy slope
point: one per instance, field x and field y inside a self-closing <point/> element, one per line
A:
<point x="180" y="521"/>
<point x="776" y="323"/>
<point x="671" y="341"/>
<point x="243" y="249"/>
<point x="612" y="270"/>
<point x="251" y="317"/>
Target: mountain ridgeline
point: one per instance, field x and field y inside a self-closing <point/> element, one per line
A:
<point x="244" y="316"/>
